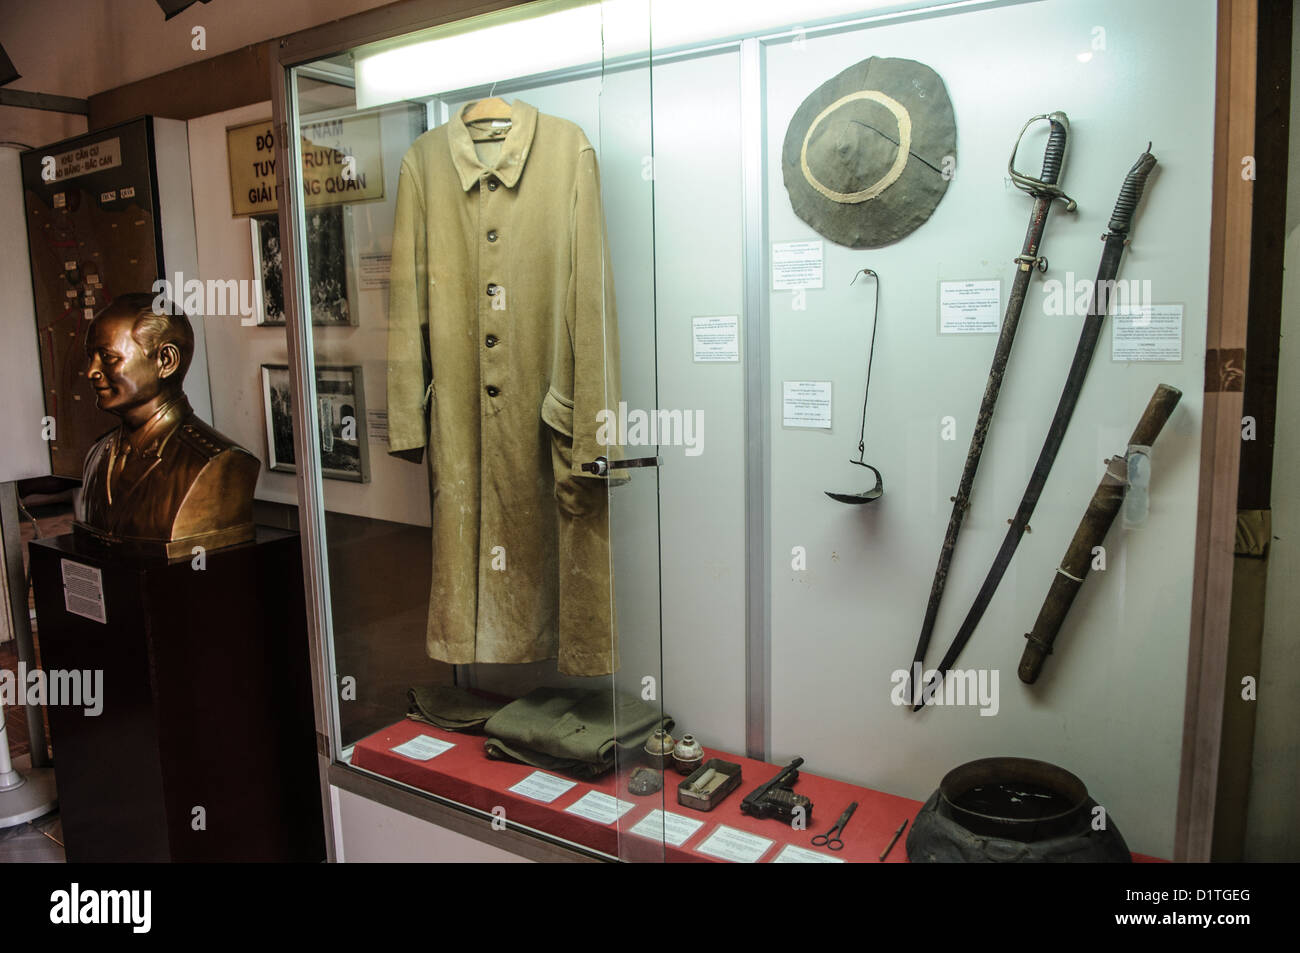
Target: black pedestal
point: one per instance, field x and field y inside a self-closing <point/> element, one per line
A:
<point x="205" y="749"/>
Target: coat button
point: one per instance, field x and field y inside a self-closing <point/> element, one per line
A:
<point x="492" y="235"/>
<point x="492" y="185"/>
<point x="493" y="289"/>
<point x="491" y="340"/>
<point x="492" y="391"/>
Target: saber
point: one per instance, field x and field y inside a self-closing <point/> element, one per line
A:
<point x="1116" y="237"/>
<point x="1091" y="533"/>
<point x="1045" y="190"/>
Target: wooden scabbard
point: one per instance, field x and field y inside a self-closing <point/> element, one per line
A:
<point x="1101" y="512"/>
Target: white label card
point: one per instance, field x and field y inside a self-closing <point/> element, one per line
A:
<point x="543" y="787"/>
<point x="374" y="271"/>
<point x="716" y="340"/>
<point x="799" y="855"/>
<point x="796" y="265"/>
<point x="599" y="807"/>
<point x="423" y="748"/>
<point x="377" y="425"/>
<point x="1147" y="333"/>
<point x="728" y="843"/>
<point x="970" y="307"/>
<point x="666" y="827"/>
<point x="806" y="404"/>
<point x="83" y="591"/>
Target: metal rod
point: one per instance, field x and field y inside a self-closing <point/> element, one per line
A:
<point x="871" y="353"/>
<point x="892" y="841"/>
<point x="758" y="372"/>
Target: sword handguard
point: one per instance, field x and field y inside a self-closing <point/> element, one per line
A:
<point x="1053" y="160"/>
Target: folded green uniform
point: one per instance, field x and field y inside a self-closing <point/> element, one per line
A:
<point x="576" y="731"/>
<point x="451" y="708"/>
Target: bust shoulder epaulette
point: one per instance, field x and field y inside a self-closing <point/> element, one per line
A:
<point x="197" y="435"/>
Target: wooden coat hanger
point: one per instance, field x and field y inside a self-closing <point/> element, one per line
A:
<point x="494" y="107"/>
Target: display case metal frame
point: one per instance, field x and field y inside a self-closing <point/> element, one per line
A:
<point x="1220" y="446"/>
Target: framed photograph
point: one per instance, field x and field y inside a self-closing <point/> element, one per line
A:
<point x="340" y="414"/>
<point x="331" y="268"/>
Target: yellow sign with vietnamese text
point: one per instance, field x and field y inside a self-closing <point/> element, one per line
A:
<point x="341" y="162"/>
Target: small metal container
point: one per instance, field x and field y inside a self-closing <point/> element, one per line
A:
<point x="659" y="749"/>
<point x="688" y="755"/>
<point x="716" y="779"/>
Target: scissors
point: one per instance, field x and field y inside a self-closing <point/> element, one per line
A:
<point x="831" y="839"/>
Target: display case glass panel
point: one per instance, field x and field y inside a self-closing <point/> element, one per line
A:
<point x="764" y="278"/>
<point x="491" y="228"/>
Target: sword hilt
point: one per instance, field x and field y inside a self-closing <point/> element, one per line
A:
<point x="1053" y="160"/>
<point x="1121" y="220"/>
<point x="1054" y="154"/>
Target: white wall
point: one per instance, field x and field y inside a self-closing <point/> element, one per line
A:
<point x="398" y="490"/>
<point x="25" y="454"/>
<point x="1109" y="705"/>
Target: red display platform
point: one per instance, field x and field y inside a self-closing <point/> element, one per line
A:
<point x="466" y="775"/>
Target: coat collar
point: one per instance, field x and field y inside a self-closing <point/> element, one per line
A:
<point x="152" y="436"/>
<point x="146" y="443"/>
<point x="514" y="150"/>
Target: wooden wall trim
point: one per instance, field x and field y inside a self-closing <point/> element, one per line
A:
<point x="228" y="81"/>
<point x="1229" y="299"/>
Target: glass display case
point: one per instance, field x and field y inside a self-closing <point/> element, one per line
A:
<point x="660" y="433"/>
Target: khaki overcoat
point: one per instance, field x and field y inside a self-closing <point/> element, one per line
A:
<point x="502" y="349"/>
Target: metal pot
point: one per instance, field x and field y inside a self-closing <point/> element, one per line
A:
<point x="1012" y="810"/>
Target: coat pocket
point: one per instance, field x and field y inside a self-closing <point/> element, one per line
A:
<point x="576" y="495"/>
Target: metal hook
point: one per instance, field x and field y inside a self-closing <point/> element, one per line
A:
<point x="876" y="491"/>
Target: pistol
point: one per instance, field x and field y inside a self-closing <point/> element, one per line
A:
<point x="776" y="798"/>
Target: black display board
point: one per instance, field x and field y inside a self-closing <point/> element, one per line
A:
<point x="94" y="233"/>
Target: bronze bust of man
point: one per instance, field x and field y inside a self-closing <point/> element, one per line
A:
<point x="164" y="481"/>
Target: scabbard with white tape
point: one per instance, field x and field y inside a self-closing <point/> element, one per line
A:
<point x="1102" y="510"/>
